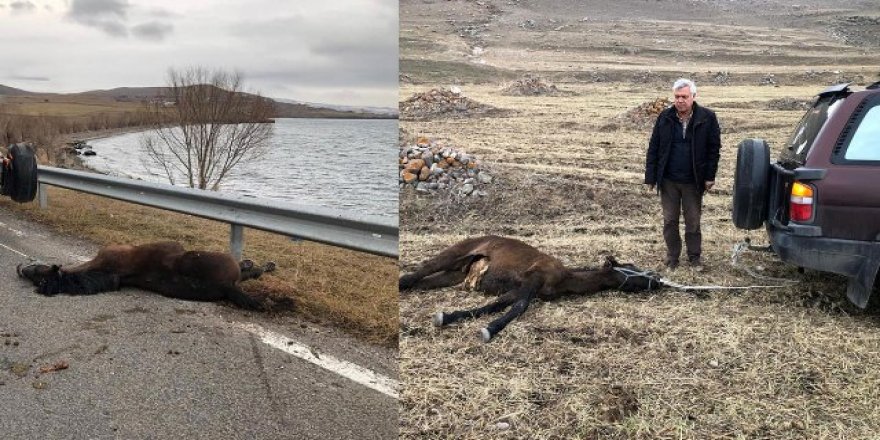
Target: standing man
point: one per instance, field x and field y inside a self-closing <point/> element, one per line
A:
<point x="682" y="161"/>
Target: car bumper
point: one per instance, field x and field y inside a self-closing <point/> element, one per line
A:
<point x="857" y="260"/>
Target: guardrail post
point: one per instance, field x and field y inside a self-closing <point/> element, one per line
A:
<point x="44" y="198"/>
<point x="236" y="241"/>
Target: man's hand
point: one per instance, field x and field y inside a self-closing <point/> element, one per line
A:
<point x="709" y="185"/>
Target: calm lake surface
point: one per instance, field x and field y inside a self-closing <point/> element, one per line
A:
<point x="344" y="164"/>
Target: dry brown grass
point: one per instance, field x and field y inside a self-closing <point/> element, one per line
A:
<point x="796" y="362"/>
<point x="351" y="290"/>
<point x="66" y="106"/>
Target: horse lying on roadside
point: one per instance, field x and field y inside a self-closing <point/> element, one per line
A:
<point x="164" y="267"/>
<point x="518" y="273"/>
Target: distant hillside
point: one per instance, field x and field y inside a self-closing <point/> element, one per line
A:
<point x="346" y="108"/>
<point x="289" y="110"/>
<point x="5" y="90"/>
<point x="142" y="94"/>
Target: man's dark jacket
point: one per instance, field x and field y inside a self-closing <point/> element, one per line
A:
<point x="704" y="135"/>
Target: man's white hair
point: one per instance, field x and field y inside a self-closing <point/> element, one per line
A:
<point x="682" y="83"/>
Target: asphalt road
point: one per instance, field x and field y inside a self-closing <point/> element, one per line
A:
<point x="140" y="366"/>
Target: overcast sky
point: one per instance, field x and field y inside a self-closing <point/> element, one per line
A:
<point x="327" y="51"/>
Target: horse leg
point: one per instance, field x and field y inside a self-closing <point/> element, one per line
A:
<point x="446" y="261"/>
<point x="524" y="298"/>
<point x="500" y="303"/>
<point x="439" y="280"/>
<point x="249" y="270"/>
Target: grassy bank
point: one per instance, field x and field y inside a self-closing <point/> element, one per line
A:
<point x="351" y="290"/>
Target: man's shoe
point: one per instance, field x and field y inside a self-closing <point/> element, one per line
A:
<point x="695" y="262"/>
<point x="671" y="264"/>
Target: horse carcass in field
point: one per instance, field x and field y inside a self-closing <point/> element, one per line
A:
<point x="518" y="273"/>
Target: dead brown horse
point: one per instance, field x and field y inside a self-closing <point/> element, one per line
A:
<point x="164" y="267"/>
<point x="518" y="273"/>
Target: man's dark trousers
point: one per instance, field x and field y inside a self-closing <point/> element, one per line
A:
<point x="675" y="198"/>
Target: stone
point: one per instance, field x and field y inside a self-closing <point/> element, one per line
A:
<point x="484" y="177"/>
<point x="414" y="165"/>
<point x="467" y="188"/>
<point x="409" y="177"/>
<point x="424" y="173"/>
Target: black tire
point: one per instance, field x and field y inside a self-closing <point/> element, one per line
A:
<point x="751" y="184"/>
<point x="19" y="180"/>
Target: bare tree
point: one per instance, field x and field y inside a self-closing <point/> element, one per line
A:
<point x="204" y="125"/>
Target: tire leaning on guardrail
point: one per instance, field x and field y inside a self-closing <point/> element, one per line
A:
<point x="19" y="175"/>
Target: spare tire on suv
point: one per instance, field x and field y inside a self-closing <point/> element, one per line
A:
<point x="751" y="184"/>
<point x="19" y="174"/>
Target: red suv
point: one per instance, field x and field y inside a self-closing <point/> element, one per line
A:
<point x="821" y="200"/>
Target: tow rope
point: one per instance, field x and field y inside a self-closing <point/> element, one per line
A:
<point x="737" y="250"/>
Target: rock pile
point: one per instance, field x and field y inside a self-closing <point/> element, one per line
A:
<point x="645" y="114"/>
<point x="530" y="86"/>
<point x="442" y="102"/>
<point x="722" y="77"/>
<point x="768" y="80"/>
<point x="790" y="104"/>
<point x="430" y="166"/>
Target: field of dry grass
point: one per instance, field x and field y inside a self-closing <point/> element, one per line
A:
<point x="350" y="290"/>
<point x="66" y="106"/>
<point x="794" y="362"/>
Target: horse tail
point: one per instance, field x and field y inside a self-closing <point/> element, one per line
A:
<point x="239" y="298"/>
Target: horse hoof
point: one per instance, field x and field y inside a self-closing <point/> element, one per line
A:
<point x="485" y="336"/>
<point x="438" y="319"/>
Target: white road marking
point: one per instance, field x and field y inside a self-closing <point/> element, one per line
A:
<point x="361" y="375"/>
<point x="14" y="231"/>
<point x="13" y="250"/>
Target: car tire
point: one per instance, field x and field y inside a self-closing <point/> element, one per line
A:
<point x="751" y="184"/>
<point x="19" y="180"/>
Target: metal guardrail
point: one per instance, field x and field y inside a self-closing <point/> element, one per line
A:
<point x="358" y="232"/>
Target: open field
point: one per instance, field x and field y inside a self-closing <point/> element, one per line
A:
<point x="794" y="362"/>
<point x="65" y="106"/>
<point x="350" y="290"/>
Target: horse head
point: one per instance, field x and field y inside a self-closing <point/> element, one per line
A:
<point x="631" y="277"/>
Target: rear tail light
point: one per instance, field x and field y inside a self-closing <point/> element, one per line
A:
<point x="802" y="201"/>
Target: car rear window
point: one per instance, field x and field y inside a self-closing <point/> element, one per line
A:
<point x="808" y="128"/>
<point x="864" y="144"/>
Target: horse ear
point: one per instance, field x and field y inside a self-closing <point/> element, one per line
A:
<point x="610" y="261"/>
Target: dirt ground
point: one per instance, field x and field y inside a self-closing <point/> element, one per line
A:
<point x="793" y="362"/>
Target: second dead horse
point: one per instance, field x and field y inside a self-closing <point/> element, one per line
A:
<point x="518" y="273"/>
<point x="164" y="267"/>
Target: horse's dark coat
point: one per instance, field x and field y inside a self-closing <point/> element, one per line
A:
<point x="518" y="273"/>
<point x="164" y="267"/>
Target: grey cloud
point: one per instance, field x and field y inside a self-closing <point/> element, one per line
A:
<point x="22" y="6"/>
<point x="30" y="78"/>
<point x="106" y="15"/>
<point x="99" y="8"/>
<point x="152" y="31"/>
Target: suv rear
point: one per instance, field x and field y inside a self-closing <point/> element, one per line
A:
<point x="820" y="201"/>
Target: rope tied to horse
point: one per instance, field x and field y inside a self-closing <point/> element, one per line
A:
<point x="737" y="250"/>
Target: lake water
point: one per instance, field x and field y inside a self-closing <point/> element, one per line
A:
<point x="344" y="164"/>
